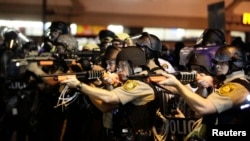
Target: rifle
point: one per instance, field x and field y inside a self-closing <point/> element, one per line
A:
<point x="184" y="77"/>
<point x="93" y="56"/>
<point x="48" y="59"/>
<point x="82" y="76"/>
<point x="43" y="59"/>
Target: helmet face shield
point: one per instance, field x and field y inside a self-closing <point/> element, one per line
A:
<point x="201" y="62"/>
<point x="53" y="34"/>
<point x="66" y="42"/>
<point x="148" y="40"/>
<point x="135" y="55"/>
<point x="211" y="37"/>
<point x="231" y="55"/>
<point x="111" y="65"/>
<point x="123" y="70"/>
<point x="56" y="29"/>
<point x="11" y="40"/>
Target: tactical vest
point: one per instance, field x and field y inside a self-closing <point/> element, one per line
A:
<point x="132" y="120"/>
<point x="18" y="95"/>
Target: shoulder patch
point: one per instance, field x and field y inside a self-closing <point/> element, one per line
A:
<point x="226" y="89"/>
<point x="130" y="85"/>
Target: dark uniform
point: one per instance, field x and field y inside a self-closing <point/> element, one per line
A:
<point x="18" y="91"/>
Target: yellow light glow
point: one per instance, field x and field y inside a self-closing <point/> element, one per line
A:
<point x="246" y="18"/>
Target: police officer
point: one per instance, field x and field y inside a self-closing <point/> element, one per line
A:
<point x="134" y="117"/>
<point x="56" y="29"/>
<point x="111" y="81"/>
<point x="122" y="40"/>
<point x="152" y="47"/>
<point x="50" y="120"/>
<point x="210" y="40"/>
<point x="224" y="107"/>
<point x="203" y="65"/>
<point x="105" y="36"/>
<point x="17" y="91"/>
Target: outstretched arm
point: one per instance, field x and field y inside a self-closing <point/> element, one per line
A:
<point x="98" y="93"/>
<point x="34" y="68"/>
<point x="196" y="102"/>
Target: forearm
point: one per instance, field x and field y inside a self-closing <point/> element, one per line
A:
<point x="104" y="107"/>
<point x="196" y="102"/>
<point x="48" y="80"/>
<point x="99" y="93"/>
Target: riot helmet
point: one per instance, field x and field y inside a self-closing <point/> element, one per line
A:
<point x="11" y="40"/>
<point x="56" y="29"/>
<point x="129" y="61"/>
<point x="122" y="40"/>
<point x="111" y="52"/>
<point x="30" y="46"/>
<point x="211" y="37"/>
<point x="202" y="61"/>
<point x="152" y="44"/>
<point x="134" y="55"/>
<point x="231" y="54"/>
<point x="66" y="43"/>
<point x="109" y="59"/>
<point x="106" y="34"/>
<point x="60" y="26"/>
<point x="150" y="41"/>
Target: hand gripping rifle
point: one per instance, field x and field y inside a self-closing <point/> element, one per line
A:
<point x="183" y="76"/>
<point x="64" y="100"/>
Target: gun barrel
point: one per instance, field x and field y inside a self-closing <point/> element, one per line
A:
<point x="85" y="75"/>
<point x="184" y="77"/>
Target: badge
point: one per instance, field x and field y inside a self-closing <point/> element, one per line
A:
<point x="130" y="85"/>
<point x="165" y="66"/>
<point x="226" y="89"/>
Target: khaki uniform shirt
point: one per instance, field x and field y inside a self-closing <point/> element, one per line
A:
<point x="135" y="91"/>
<point x="230" y="93"/>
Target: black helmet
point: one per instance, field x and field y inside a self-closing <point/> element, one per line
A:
<point x="105" y="34"/>
<point x="30" y="46"/>
<point x="135" y="55"/>
<point x="203" y="60"/>
<point x="111" y="52"/>
<point x="68" y="41"/>
<point x="234" y="55"/>
<point x="60" y="25"/>
<point x="150" y="41"/>
<point x="211" y="37"/>
<point x="11" y="40"/>
<point x="11" y="35"/>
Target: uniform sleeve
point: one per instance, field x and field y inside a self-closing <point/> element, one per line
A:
<point x="137" y="92"/>
<point x="227" y="96"/>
